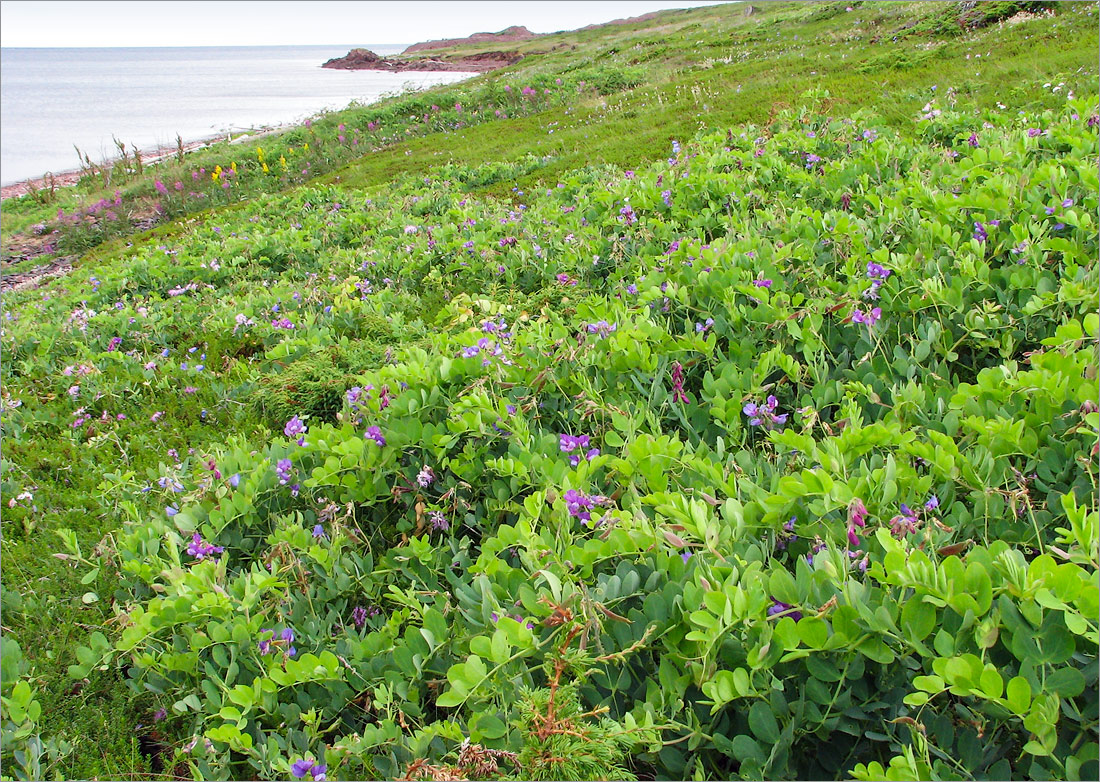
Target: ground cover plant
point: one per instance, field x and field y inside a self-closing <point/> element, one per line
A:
<point x="770" y="458"/>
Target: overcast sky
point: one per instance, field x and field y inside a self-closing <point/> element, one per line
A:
<point x="278" y="22"/>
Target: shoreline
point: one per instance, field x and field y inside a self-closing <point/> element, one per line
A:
<point x="71" y="177"/>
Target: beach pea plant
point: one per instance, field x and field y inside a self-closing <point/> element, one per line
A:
<point x="759" y="462"/>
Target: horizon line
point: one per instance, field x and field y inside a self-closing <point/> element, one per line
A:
<point x="207" y="46"/>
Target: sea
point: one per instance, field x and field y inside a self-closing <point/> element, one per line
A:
<point x="52" y="100"/>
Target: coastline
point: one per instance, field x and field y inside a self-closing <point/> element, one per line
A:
<point x="72" y="176"/>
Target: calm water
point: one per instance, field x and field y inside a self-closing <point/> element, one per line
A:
<point x="51" y="99"/>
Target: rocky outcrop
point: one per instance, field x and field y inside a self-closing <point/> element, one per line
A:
<point x="507" y="35"/>
<point x="366" y="60"/>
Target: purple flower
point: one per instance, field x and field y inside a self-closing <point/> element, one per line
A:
<point x="200" y="549"/>
<point x="439" y="521"/>
<point x="1033" y="132"/>
<point x="765" y="414"/>
<point x="359" y="616"/>
<point x="318" y="531"/>
<point x="933" y="503"/>
<point x="980" y="232"/>
<point x="778" y="608"/>
<point x="264" y="644"/>
<point x="811" y="158"/>
<point x="426" y="477"/>
<point x="877" y="271"/>
<point x="235" y="480"/>
<point x="627" y="213"/>
<point x="114" y="343"/>
<point x="568" y="442"/>
<point x="294" y="427"/>
<point x="761" y="282"/>
<point x="579" y="504"/>
<point x="870" y="135"/>
<point x="973" y="140"/>
<point x="283" y="469"/>
<point x="1067" y="203"/>
<point x="870" y="318"/>
<point x="685" y="556"/>
<point x="602" y="328"/>
<point x="701" y="328"/>
<point x="160" y="714"/>
<point x="666" y="196"/>
<point x="375" y="433"/>
<point x="300" y="768"/>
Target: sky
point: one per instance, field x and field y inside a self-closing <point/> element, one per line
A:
<point x="68" y="23"/>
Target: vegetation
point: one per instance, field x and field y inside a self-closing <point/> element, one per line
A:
<point x="677" y="412"/>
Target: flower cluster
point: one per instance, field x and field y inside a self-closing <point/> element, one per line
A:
<point x="569" y="443"/>
<point x="296" y="428"/>
<point x="871" y="317"/>
<point x="375" y="433"/>
<point x="284" y="468"/>
<point x="857" y="520"/>
<point x="601" y="328"/>
<point x="489" y="348"/>
<point x="765" y="415"/>
<point x="200" y="549"/>
<point x="678" y="393"/>
<point x="878" y="274"/>
<point x="580" y="505"/>
<point x="426" y="477"/>
<point x="299" y="769"/>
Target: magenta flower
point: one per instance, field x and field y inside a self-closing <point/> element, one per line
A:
<point x="678" y="393"/>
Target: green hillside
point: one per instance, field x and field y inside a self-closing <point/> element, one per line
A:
<point x="711" y="396"/>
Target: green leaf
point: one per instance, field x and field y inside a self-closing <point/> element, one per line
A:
<point x="744" y="748"/>
<point x="813" y="631"/>
<point x="918" y="619"/>
<point x="1066" y="682"/>
<point x="491" y="727"/>
<point x="449" y="699"/>
<point x="1018" y="695"/>
<point x="762" y="722"/>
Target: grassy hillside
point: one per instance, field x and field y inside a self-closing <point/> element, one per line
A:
<point x="707" y="396"/>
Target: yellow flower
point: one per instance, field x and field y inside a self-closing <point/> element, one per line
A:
<point x="217" y="173"/>
<point x="260" y="154"/>
<point x="265" y="167"/>
<point x="282" y="161"/>
<point x="233" y="166"/>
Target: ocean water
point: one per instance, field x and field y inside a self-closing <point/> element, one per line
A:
<point x="51" y="99"/>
